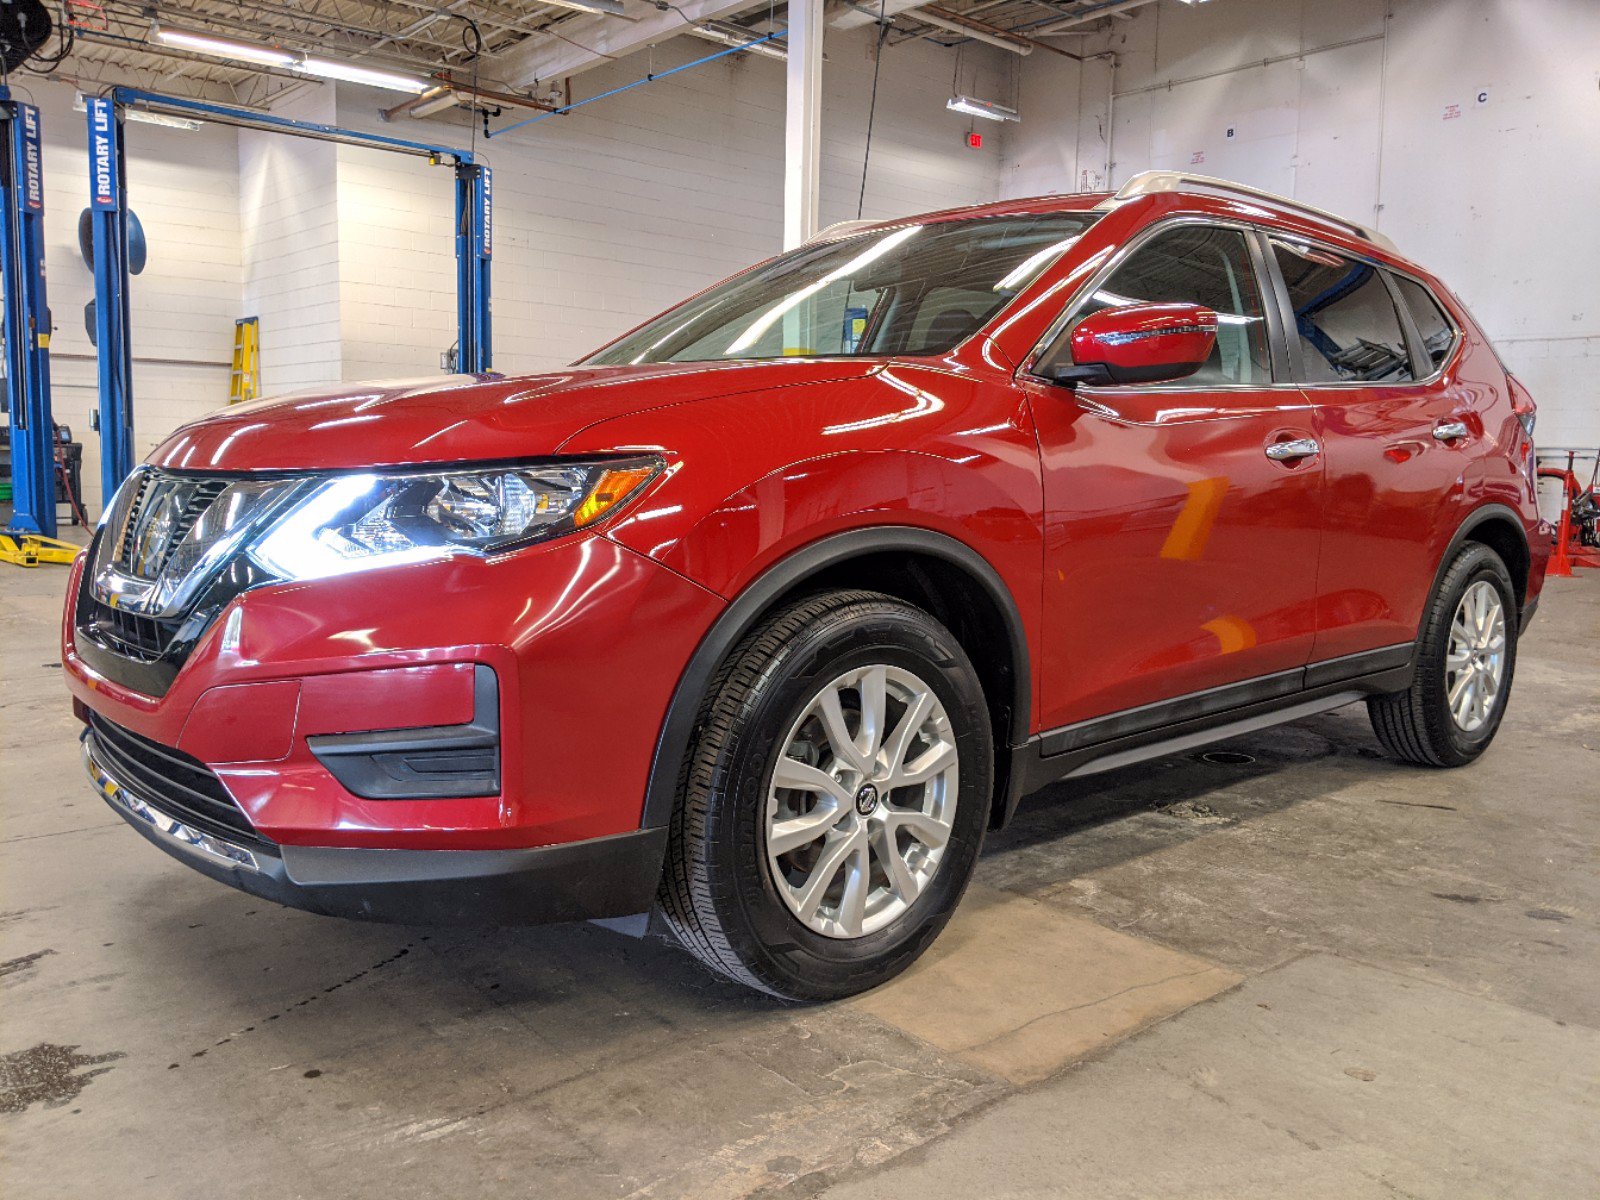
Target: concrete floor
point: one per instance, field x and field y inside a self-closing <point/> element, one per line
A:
<point x="1315" y="974"/>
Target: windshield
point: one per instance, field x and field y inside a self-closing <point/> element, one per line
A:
<point x="915" y="289"/>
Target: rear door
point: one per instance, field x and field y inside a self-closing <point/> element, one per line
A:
<point x="1181" y="545"/>
<point x="1399" y="438"/>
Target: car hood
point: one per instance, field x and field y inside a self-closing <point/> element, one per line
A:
<point x="463" y="418"/>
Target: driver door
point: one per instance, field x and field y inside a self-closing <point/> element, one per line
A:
<point x="1181" y="542"/>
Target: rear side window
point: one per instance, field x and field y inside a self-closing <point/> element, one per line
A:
<point x="1346" y="320"/>
<point x="1438" y="334"/>
<point x="1196" y="264"/>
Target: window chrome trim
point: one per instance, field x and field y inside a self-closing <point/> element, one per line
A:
<point x="1274" y="283"/>
<point x="1110" y="266"/>
<point x="1402" y="313"/>
<point x="1457" y="333"/>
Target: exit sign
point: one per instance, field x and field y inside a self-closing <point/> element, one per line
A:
<point x="975" y="140"/>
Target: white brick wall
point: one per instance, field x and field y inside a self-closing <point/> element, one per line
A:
<point x="289" y="232"/>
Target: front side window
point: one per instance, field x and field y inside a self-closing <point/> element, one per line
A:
<point x="1194" y="264"/>
<point x="1344" y="316"/>
<point x="914" y="290"/>
<point x="1437" y="330"/>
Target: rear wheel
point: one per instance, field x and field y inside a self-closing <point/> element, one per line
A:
<point x="834" y="801"/>
<point x="1465" y="658"/>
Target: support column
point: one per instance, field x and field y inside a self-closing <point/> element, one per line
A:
<point x="474" y="251"/>
<point x="27" y="319"/>
<point x="108" y="207"/>
<point x="802" y="158"/>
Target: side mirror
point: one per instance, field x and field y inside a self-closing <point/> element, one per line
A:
<point x="1139" y="343"/>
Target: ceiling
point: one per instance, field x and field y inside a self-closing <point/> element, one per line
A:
<point x="112" y="40"/>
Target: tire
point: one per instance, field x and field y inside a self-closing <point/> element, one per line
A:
<point x="1419" y="725"/>
<point x="765" y="709"/>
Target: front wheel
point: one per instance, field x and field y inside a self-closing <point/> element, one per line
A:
<point x="1465" y="658"/>
<point x="834" y="801"/>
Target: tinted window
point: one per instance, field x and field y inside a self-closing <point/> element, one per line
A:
<point x="915" y="289"/>
<point x="1196" y="264"/>
<point x="1346" y="319"/>
<point x="1438" y="334"/>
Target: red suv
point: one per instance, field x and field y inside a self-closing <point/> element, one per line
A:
<point x="760" y="616"/>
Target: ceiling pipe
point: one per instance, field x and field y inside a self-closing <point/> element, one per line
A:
<point x="466" y="92"/>
<point x="729" y="34"/>
<point x="1116" y="9"/>
<point x="975" y="30"/>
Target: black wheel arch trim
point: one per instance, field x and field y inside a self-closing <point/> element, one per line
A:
<point x="746" y="608"/>
<point x="1478" y="517"/>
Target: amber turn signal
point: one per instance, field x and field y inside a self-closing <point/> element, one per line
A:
<point x="613" y="487"/>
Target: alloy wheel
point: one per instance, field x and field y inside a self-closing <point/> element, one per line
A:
<point x="1475" y="663"/>
<point x="861" y="801"/>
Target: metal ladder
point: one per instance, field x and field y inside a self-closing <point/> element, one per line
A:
<point x="244" y="383"/>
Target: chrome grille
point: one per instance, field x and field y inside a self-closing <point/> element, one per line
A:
<point x="161" y="514"/>
<point x="168" y="534"/>
<point x="135" y="503"/>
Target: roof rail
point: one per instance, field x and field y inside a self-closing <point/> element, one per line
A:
<point x="1148" y="183"/>
<point x="838" y="229"/>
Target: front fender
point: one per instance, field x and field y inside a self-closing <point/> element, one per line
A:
<point x="677" y="731"/>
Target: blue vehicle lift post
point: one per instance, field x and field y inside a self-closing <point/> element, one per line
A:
<point x="108" y="207"/>
<point x="27" y="321"/>
<point x="108" y="201"/>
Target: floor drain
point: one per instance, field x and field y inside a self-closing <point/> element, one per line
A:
<point x="1227" y="758"/>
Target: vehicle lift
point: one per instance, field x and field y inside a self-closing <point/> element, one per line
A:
<point x="108" y="204"/>
<point x="30" y="537"/>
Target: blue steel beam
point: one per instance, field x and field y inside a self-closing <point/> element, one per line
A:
<point x="108" y="202"/>
<point x="247" y="119"/>
<point x="27" y="321"/>
<point x="474" y="251"/>
<point x="108" y="206"/>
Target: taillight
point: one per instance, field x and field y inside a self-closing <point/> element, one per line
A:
<point x="1527" y="414"/>
<point x="1522" y="404"/>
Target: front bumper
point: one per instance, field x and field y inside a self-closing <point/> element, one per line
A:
<point x="297" y="691"/>
<point x="601" y="877"/>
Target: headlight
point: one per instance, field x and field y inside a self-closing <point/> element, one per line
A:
<point x="356" y="522"/>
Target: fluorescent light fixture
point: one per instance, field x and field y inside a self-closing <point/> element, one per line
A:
<point x="609" y="8"/>
<point x="221" y="47"/>
<point x="276" y="56"/>
<point x="145" y="118"/>
<point x="166" y="120"/>
<point x="329" y="68"/>
<point x="987" y="109"/>
<point x="734" y="35"/>
<point x="435" y="100"/>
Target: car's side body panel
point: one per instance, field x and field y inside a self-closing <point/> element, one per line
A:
<point x="1180" y="558"/>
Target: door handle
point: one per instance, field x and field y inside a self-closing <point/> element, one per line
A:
<point x="1449" y="431"/>
<point x="1298" y="448"/>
